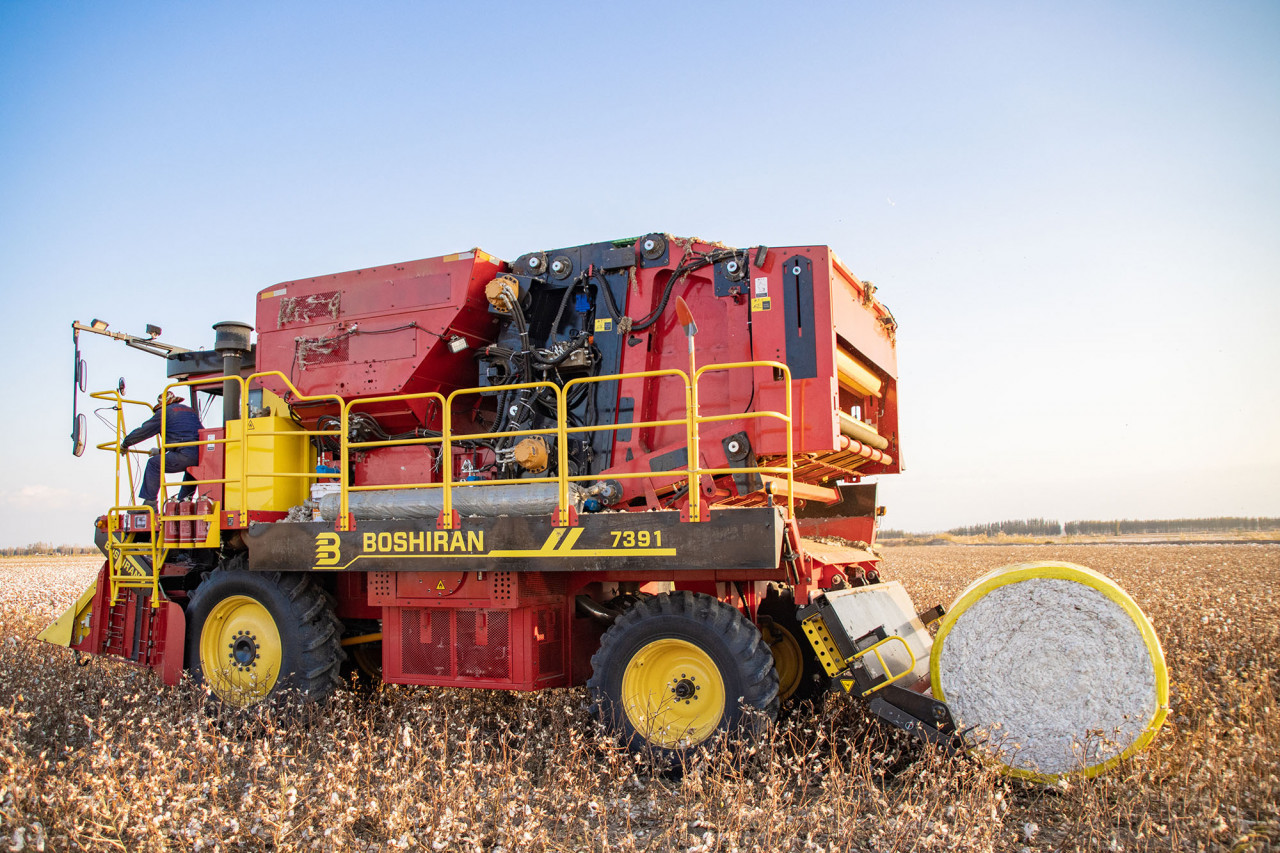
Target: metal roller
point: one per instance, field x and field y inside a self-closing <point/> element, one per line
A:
<point x="513" y="499"/>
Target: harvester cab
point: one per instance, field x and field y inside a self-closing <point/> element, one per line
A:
<point x="637" y="465"/>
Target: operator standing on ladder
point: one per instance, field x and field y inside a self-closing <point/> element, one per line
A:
<point x="182" y="424"/>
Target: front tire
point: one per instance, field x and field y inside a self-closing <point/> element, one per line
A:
<point x="255" y="636"/>
<point x="679" y="668"/>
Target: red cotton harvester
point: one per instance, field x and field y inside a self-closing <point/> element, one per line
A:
<point x="595" y="465"/>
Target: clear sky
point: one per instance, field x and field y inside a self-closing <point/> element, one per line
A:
<point x="1072" y="209"/>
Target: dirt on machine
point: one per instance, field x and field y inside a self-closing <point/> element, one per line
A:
<point x="638" y="465"/>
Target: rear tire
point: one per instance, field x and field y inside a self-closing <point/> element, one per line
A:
<point x="257" y="636"/>
<point x="801" y="677"/>
<point x="680" y="668"/>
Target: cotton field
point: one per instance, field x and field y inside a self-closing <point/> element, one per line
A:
<point x="103" y="757"/>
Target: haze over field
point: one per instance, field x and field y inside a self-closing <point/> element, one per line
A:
<point x="1073" y="212"/>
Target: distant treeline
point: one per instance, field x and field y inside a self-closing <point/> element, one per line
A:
<point x="1115" y="527"/>
<point x="1021" y="527"/>
<point x="44" y="549"/>
<point x="1171" y="525"/>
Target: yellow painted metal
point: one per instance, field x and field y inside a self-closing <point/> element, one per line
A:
<point x="889" y="679"/>
<point x="240" y="650"/>
<point x="363" y="638"/>
<point x="1103" y="584"/>
<point x="673" y="693"/>
<point x="785" y="372"/>
<point x="787" y="659"/>
<point x="803" y="491"/>
<point x="73" y="625"/>
<point x="823" y="646"/>
<point x="118" y="404"/>
<point x="531" y="454"/>
<point x="279" y="454"/>
<point x="269" y="463"/>
<point x="562" y="454"/>
<point x="856" y="376"/>
<point x="126" y="553"/>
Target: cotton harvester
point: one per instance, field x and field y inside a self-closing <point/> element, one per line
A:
<point x="607" y="464"/>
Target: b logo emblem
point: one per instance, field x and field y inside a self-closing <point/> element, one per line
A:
<point x="328" y="549"/>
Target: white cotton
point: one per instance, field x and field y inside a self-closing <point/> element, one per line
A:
<point x="1054" y="674"/>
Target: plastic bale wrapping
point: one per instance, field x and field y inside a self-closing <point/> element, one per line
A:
<point x="1054" y="668"/>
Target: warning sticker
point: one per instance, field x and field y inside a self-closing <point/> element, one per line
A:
<point x="605" y="325"/>
<point x="760" y="303"/>
<point x="762" y="286"/>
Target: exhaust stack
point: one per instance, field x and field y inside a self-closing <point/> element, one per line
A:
<point x="231" y="339"/>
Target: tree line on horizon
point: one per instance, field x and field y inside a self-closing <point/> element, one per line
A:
<point x="1113" y="527"/>
<point x="44" y="549"/>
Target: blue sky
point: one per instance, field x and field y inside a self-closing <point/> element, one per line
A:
<point x="1073" y="210"/>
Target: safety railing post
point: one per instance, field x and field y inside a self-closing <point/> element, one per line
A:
<point x="562" y="457"/>
<point x="344" y="451"/>
<point x="446" y="461"/>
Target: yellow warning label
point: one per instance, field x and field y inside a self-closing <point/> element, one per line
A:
<point x="440" y="585"/>
<point x="605" y="325"/>
<point x="847" y="684"/>
<point x="760" y="303"/>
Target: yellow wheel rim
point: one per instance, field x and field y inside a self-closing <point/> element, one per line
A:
<point x="787" y="659"/>
<point x="240" y="650"/>
<point x="673" y="693"/>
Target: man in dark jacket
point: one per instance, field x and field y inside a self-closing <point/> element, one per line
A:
<point x="181" y="424"/>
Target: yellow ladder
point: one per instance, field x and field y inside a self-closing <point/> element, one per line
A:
<point x="134" y="563"/>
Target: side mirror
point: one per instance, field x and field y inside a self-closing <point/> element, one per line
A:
<point x="79" y="433"/>
<point x="82" y="374"/>
<point x="120" y="387"/>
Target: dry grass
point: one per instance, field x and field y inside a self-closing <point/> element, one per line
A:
<point x="104" y="758"/>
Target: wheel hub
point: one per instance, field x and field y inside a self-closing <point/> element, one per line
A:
<point x="685" y="689"/>
<point x="244" y="650"/>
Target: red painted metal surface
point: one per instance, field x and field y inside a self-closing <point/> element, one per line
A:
<point x="212" y="464"/>
<point x="147" y="636"/>
<point x="181" y="530"/>
<point x="379" y="331"/>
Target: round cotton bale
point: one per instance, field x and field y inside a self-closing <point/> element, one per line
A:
<point x="1055" y="668"/>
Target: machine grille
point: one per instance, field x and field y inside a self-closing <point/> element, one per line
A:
<point x="550" y="643"/>
<point x="484" y="643"/>
<point x="426" y="642"/>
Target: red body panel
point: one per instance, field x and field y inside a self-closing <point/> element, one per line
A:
<point x="379" y="331"/>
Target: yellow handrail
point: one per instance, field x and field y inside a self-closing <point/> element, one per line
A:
<point x="692" y="422"/>
<point x="786" y="376"/>
<point x="118" y="551"/>
<point x="875" y="649"/>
